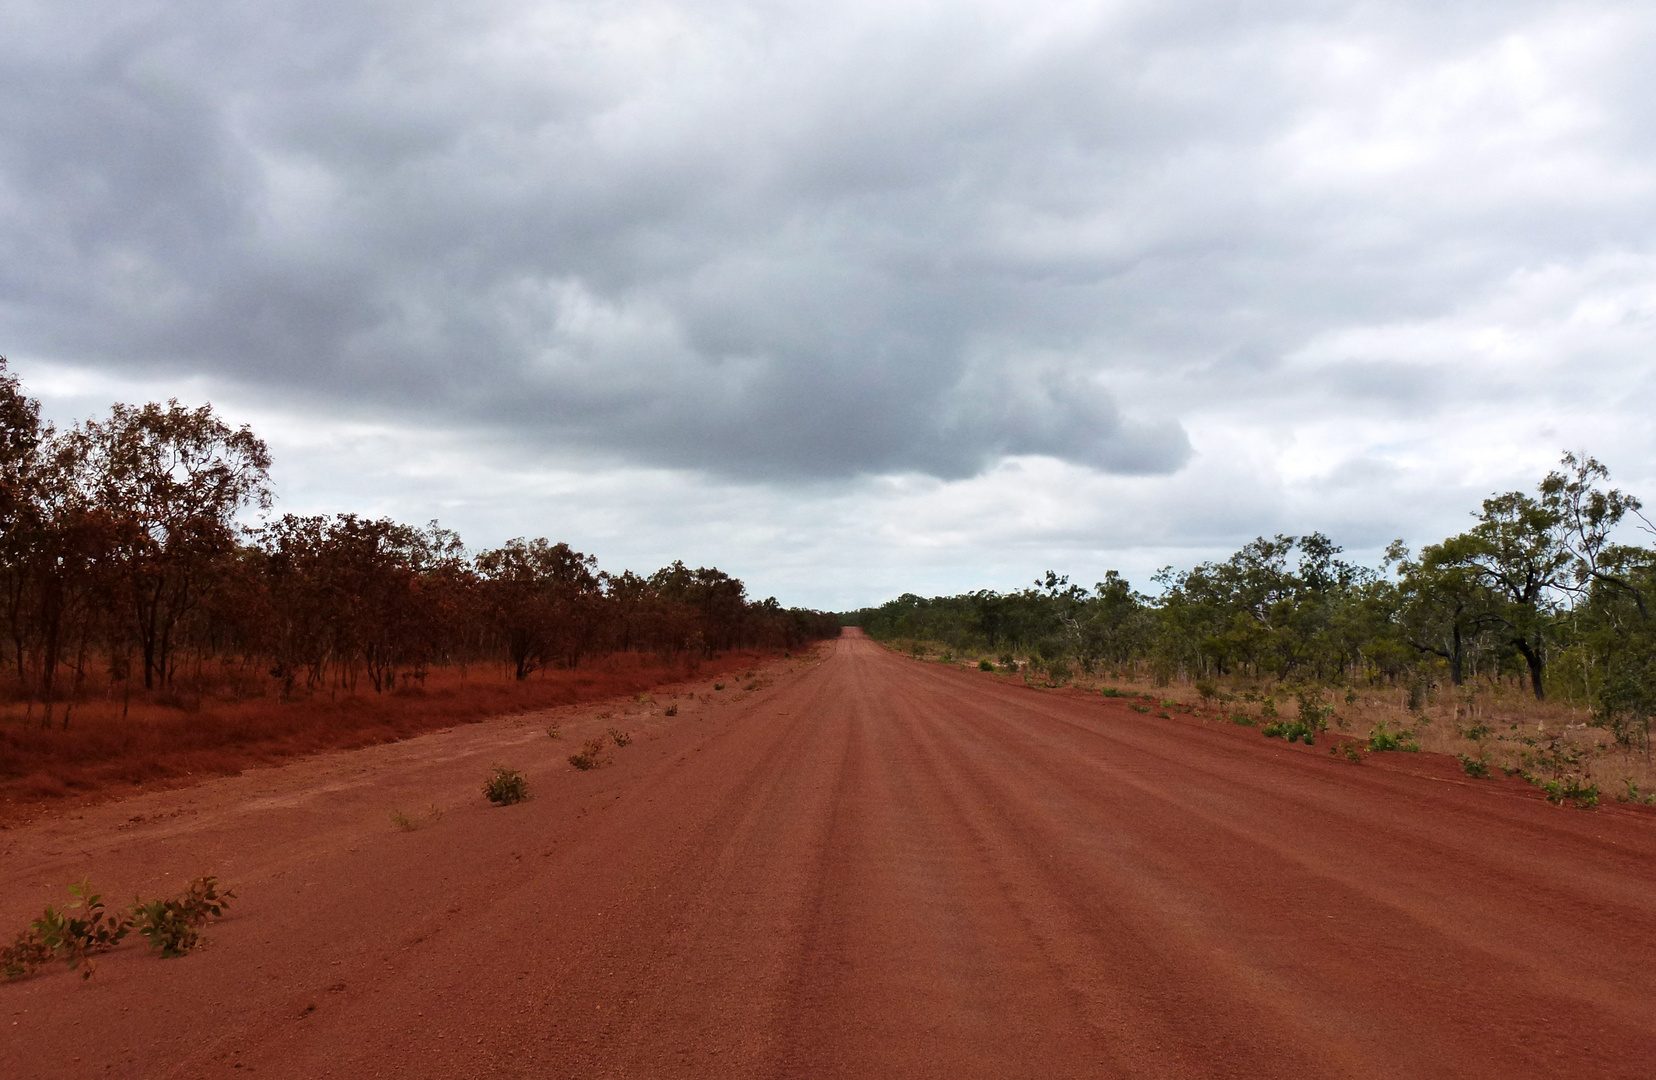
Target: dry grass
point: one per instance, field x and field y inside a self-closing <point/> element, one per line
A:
<point x="1500" y="723"/>
<point x="173" y="738"/>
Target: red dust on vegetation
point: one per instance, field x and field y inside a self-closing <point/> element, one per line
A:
<point x="112" y="748"/>
<point x="857" y="866"/>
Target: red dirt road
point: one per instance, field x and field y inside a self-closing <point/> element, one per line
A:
<point x="865" y="867"/>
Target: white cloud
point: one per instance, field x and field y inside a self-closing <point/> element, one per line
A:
<point x="852" y="298"/>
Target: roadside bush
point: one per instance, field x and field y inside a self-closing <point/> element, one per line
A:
<point x="590" y="756"/>
<point x="173" y="927"/>
<point x="66" y="936"/>
<point x="1110" y="691"/>
<point x="1477" y="768"/>
<point x="986" y="665"/>
<point x="1207" y="691"/>
<point x="620" y="738"/>
<point x="1293" y="732"/>
<point x="1574" y="789"/>
<point x="1314" y="712"/>
<point x="405" y="823"/>
<point x="506" y="786"/>
<point x="1381" y="740"/>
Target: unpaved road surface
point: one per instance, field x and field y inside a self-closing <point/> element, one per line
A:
<point x="862" y="867"/>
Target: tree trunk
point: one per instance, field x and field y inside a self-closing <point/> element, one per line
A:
<point x="1532" y="657"/>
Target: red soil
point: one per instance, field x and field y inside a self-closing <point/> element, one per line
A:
<point x="871" y="867"/>
<point x="111" y="748"/>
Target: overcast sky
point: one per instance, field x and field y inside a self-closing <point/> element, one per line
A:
<point x="853" y="298"/>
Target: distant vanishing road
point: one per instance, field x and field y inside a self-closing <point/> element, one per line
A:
<point x="863" y="867"/>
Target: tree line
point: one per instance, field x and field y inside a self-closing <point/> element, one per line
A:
<point x="1543" y="588"/>
<point x="124" y="559"/>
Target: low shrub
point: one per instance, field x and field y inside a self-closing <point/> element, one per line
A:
<point x="553" y="731"/>
<point x="1573" y="789"/>
<point x="1110" y="691"/>
<point x="620" y="738"/>
<point x="1136" y="707"/>
<point x="173" y="927"/>
<point x="986" y="665"/>
<point x="1243" y="720"/>
<point x="1477" y="768"/>
<point x="590" y="756"/>
<point x="506" y="786"/>
<point x="1314" y="712"/>
<point x="64" y="935"/>
<point x="1293" y="732"/>
<point x="407" y="823"/>
<point x="671" y="710"/>
<point x="1381" y="740"/>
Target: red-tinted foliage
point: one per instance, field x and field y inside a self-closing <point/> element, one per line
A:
<point x="182" y="736"/>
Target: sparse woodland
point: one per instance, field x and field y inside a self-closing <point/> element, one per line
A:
<point x="142" y="567"/>
<point x="1535" y="627"/>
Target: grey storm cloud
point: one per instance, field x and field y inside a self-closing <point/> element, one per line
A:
<point x="793" y="240"/>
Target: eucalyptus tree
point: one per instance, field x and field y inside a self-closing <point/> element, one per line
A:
<point x="1516" y="553"/>
<point x="172" y="481"/>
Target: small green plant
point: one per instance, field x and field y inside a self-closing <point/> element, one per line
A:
<point x="1243" y="719"/>
<point x="1476" y="768"/>
<point x="620" y="738"/>
<point x="170" y="925"/>
<point x="1293" y="732"/>
<point x="671" y="710"/>
<point x="1269" y="708"/>
<point x="25" y="955"/>
<point x="590" y="756"/>
<point x="1475" y="731"/>
<point x="1110" y="691"/>
<point x="1381" y="740"/>
<point x="1351" y="696"/>
<point x="66" y="935"/>
<point x="1058" y="673"/>
<point x="506" y="786"/>
<point x="1351" y="749"/>
<point x="408" y="823"/>
<point x="986" y="664"/>
<point x="1207" y="690"/>
<point x="173" y="927"/>
<point x="1165" y="715"/>
<point x="1574" y="789"/>
<point x="1314" y="712"/>
<point x="1631" y="795"/>
<point x="1136" y="707"/>
<point x="553" y="731"/>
